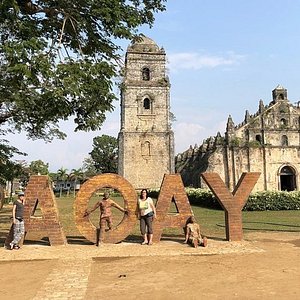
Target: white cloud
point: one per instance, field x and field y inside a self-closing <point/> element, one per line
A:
<point x="196" y="61"/>
<point x="187" y="134"/>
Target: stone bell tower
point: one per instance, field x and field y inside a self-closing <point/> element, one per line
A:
<point x="146" y="141"/>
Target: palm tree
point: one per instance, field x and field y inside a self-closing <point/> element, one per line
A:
<point x="62" y="175"/>
<point x="76" y="175"/>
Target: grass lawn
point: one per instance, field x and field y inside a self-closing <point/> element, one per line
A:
<point x="211" y="221"/>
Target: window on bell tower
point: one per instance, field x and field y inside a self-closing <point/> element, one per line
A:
<point x="284" y="140"/>
<point x="146" y="103"/>
<point x="146" y="74"/>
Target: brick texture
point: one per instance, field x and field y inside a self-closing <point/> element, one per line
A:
<point x="39" y="191"/>
<point x="171" y="188"/>
<point x="85" y="227"/>
<point x="232" y="203"/>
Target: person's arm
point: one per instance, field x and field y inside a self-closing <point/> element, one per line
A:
<point x="198" y="230"/>
<point x="14" y="213"/>
<point x="153" y="208"/>
<point x="116" y="205"/>
<point x="187" y="234"/>
<point x="87" y="212"/>
<point x="137" y="211"/>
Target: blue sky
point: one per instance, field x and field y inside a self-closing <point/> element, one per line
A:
<point x="224" y="56"/>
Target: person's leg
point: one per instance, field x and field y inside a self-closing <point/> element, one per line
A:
<point x="22" y="231"/>
<point x="204" y="241"/>
<point x="102" y="229"/>
<point x="109" y="223"/>
<point x="17" y="234"/>
<point x="149" y="221"/>
<point x="143" y="230"/>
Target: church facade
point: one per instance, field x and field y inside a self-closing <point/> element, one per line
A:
<point x="267" y="142"/>
<point x="146" y="140"/>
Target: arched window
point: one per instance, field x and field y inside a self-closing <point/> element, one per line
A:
<point x="287" y="179"/>
<point x="281" y="97"/>
<point x="283" y="122"/>
<point x="146" y="103"/>
<point x="284" y="140"/>
<point x="146" y="74"/>
<point x="146" y="149"/>
<point x="258" y="138"/>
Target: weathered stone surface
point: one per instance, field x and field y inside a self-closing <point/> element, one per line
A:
<point x="146" y="141"/>
<point x="265" y="142"/>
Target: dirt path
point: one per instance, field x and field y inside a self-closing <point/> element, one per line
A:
<point x="265" y="265"/>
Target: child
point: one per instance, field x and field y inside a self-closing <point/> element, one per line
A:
<point x="105" y="206"/>
<point x="193" y="235"/>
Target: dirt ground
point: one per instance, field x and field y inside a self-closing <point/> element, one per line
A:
<point x="264" y="265"/>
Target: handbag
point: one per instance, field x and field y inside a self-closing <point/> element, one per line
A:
<point x="150" y="214"/>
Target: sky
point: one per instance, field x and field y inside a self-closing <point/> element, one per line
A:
<point x="223" y="57"/>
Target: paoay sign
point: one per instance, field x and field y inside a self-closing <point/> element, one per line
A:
<point x="39" y="192"/>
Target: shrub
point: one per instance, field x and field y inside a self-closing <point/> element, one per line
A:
<point x="258" y="201"/>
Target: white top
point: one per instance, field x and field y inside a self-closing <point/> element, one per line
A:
<point x="145" y="206"/>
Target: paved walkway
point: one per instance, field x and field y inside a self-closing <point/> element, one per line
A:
<point x="69" y="280"/>
<point x="87" y="271"/>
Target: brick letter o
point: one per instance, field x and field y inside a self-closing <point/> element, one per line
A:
<point x="85" y="227"/>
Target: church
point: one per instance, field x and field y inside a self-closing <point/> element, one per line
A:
<point x="146" y="140"/>
<point x="267" y="142"/>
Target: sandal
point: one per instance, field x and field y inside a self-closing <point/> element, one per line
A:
<point x="16" y="247"/>
<point x="144" y="243"/>
<point x="150" y="243"/>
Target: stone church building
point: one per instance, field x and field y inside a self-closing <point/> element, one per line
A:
<point x="267" y="142"/>
<point x="146" y="141"/>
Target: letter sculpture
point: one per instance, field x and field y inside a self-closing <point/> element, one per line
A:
<point x="232" y="203"/>
<point x="85" y="227"/>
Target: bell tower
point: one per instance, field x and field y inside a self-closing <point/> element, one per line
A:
<point x="146" y="141"/>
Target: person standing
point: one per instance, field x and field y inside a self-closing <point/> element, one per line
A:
<point x="18" y="221"/>
<point x="105" y="206"/>
<point x="146" y="212"/>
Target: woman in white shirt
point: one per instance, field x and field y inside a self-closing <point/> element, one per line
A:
<point x="146" y="213"/>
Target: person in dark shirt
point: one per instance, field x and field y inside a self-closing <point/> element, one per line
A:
<point x="18" y="221"/>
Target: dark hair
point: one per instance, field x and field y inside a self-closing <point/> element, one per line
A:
<point x="142" y="193"/>
<point x="190" y="220"/>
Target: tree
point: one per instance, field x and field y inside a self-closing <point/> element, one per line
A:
<point x="76" y="175"/>
<point x="89" y="169"/>
<point x="12" y="171"/>
<point x="105" y="154"/>
<point x="6" y="153"/>
<point x="62" y="175"/>
<point x="38" y="167"/>
<point x="60" y="59"/>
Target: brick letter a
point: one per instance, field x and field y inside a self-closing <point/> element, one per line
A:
<point x="39" y="189"/>
<point x="172" y="189"/>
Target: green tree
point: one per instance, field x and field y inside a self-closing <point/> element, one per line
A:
<point x="6" y="153"/>
<point x="13" y="170"/>
<point x="62" y="175"/>
<point x="105" y="154"/>
<point x="60" y="59"/>
<point x="76" y="176"/>
<point x="38" y="167"/>
<point x="88" y="168"/>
